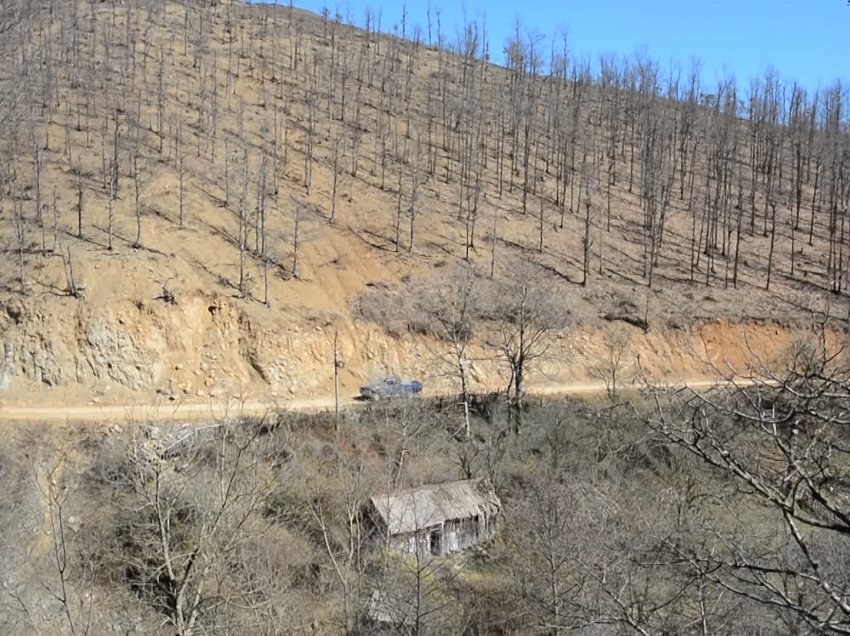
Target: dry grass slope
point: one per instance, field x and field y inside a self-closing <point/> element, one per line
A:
<point x="261" y="166"/>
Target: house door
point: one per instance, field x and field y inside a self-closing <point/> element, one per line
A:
<point x="435" y="541"/>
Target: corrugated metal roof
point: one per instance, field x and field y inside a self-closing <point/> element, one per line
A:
<point x="416" y="508"/>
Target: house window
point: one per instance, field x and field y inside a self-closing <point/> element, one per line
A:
<point x="435" y="541"/>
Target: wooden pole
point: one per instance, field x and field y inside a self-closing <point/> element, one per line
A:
<point x="338" y="364"/>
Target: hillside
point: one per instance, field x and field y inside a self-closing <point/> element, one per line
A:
<point x="197" y="196"/>
<point x="204" y="203"/>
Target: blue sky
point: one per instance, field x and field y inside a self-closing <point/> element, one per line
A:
<point x="804" y="40"/>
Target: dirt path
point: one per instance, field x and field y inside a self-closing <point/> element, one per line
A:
<point x="178" y="411"/>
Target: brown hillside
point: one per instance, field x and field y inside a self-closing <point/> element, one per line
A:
<point x="154" y="147"/>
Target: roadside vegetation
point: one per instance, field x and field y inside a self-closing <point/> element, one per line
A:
<point x="673" y="512"/>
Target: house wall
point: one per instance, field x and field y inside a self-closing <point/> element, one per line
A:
<point x="408" y="542"/>
<point x="464" y="533"/>
<point x="454" y="535"/>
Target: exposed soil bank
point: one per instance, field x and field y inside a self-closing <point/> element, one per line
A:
<point x="209" y="349"/>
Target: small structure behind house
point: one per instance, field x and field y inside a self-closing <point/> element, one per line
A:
<point x="435" y="519"/>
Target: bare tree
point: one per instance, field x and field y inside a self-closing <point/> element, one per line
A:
<point x="586" y="242"/>
<point x="70" y="280"/>
<point x="181" y="174"/>
<point x="338" y="489"/>
<point x="243" y="224"/>
<point x="414" y="594"/>
<point x="137" y="199"/>
<point x="114" y="182"/>
<point x="297" y="211"/>
<point x="454" y="304"/>
<point x="80" y="195"/>
<point x="528" y="311"/>
<point x="193" y="506"/>
<point x="781" y="439"/>
<point x="21" y="225"/>
<point x="616" y="347"/>
<point x="541" y="534"/>
<point x="335" y="183"/>
<point x="64" y="590"/>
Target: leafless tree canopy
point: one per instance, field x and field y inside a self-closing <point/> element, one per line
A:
<point x="683" y="512"/>
<point x="613" y="168"/>
<point x="783" y="443"/>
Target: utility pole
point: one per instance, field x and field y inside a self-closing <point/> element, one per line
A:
<point x="338" y="364"/>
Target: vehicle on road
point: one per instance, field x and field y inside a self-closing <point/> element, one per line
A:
<point x="390" y="387"/>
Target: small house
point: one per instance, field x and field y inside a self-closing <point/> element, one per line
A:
<point x="436" y="519"/>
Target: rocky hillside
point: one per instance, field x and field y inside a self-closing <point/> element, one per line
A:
<point x="199" y="195"/>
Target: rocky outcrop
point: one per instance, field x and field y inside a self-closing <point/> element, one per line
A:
<point x="91" y="348"/>
<point x="210" y="347"/>
<point x="121" y="352"/>
<point x="201" y="346"/>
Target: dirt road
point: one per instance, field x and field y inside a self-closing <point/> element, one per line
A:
<point x="166" y="411"/>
